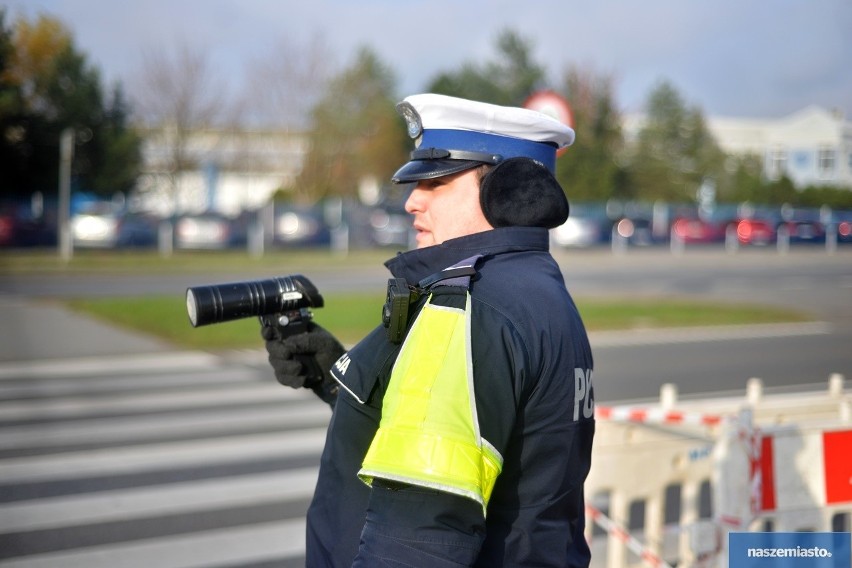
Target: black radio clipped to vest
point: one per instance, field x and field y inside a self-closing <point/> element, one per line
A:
<point x="395" y="311"/>
<point x="401" y="295"/>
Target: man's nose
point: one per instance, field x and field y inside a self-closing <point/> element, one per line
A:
<point x="413" y="203"/>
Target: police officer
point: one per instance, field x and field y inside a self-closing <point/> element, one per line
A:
<point x="462" y="428"/>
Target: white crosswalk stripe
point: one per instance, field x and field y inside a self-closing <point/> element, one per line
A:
<point x="234" y="547"/>
<point x="189" y="496"/>
<point x="158" y="456"/>
<point x="85" y="405"/>
<point x="205" y="466"/>
<point x="141" y="428"/>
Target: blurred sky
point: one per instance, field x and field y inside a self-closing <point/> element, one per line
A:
<point x="743" y="58"/>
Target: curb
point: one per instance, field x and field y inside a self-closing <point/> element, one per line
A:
<point x="657" y="336"/>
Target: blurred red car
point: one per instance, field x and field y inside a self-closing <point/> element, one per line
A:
<point x="844" y="231"/>
<point x="755" y="231"/>
<point x="697" y="230"/>
<point x="7" y="229"/>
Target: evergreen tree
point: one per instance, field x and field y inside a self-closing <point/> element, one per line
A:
<point x="589" y="169"/>
<point x="675" y="152"/>
<point x="46" y="86"/>
<point x="508" y="80"/>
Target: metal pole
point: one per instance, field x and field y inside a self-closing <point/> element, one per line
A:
<point x="831" y="238"/>
<point x="66" y="155"/>
<point x="783" y="239"/>
<point x="256" y="237"/>
<point x="618" y="243"/>
<point x="732" y="240"/>
<point x="676" y="242"/>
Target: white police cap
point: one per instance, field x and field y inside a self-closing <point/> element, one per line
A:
<point x="452" y="135"/>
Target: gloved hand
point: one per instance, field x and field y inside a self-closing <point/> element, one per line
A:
<point x="304" y="359"/>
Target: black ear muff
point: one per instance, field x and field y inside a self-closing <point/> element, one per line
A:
<point x="520" y="192"/>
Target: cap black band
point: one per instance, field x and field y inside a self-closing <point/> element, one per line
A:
<point x="442" y="154"/>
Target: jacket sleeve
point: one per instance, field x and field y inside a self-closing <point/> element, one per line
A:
<point x="414" y="526"/>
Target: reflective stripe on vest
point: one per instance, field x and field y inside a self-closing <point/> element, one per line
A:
<point x="429" y="432"/>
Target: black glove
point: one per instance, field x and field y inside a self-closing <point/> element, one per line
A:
<point x="304" y="359"/>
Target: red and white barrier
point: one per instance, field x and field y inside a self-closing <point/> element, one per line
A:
<point x="799" y="469"/>
<point x="656" y="416"/>
<point x="614" y="529"/>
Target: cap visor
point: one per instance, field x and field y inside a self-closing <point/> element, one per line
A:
<point x="416" y="170"/>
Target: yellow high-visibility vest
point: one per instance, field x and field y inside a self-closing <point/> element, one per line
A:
<point x="429" y="432"/>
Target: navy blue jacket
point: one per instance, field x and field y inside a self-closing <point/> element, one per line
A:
<point x="534" y="397"/>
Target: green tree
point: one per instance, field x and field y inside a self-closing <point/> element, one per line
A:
<point x="47" y="86"/>
<point x="13" y="118"/>
<point x="817" y="196"/>
<point x="746" y="183"/>
<point x="675" y="151"/>
<point x="356" y="133"/>
<point x="117" y="163"/>
<point x="589" y="170"/>
<point x="508" y="80"/>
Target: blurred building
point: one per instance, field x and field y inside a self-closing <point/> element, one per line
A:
<point x="812" y="146"/>
<point x="226" y="170"/>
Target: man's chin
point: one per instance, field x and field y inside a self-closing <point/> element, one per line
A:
<point x="424" y="239"/>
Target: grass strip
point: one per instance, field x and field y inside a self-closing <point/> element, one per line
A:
<point x="130" y="261"/>
<point x="351" y="316"/>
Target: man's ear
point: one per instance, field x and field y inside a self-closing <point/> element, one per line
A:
<point x="521" y="192"/>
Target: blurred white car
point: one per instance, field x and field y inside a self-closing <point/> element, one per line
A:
<point x="104" y="227"/>
<point x="208" y="231"/>
<point x="300" y="226"/>
<point x="578" y="232"/>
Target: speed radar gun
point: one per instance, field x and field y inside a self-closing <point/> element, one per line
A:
<point x="283" y="303"/>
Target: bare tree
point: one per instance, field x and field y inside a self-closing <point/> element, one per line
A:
<point x="178" y="95"/>
<point x="284" y="86"/>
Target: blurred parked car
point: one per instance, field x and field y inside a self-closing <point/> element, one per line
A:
<point x="300" y="225"/>
<point x="842" y="223"/>
<point x="100" y="225"/>
<point x="803" y="228"/>
<point x="636" y="231"/>
<point x="579" y="232"/>
<point x="695" y="230"/>
<point x="390" y="225"/>
<point x="19" y="228"/>
<point x="7" y="228"/>
<point x="754" y="231"/>
<point x="208" y="231"/>
<point x="586" y="226"/>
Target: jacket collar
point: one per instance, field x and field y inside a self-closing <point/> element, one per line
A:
<point x="417" y="264"/>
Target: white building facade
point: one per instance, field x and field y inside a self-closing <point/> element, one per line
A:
<point x="813" y="147"/>
<point x="232" y="170"/>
